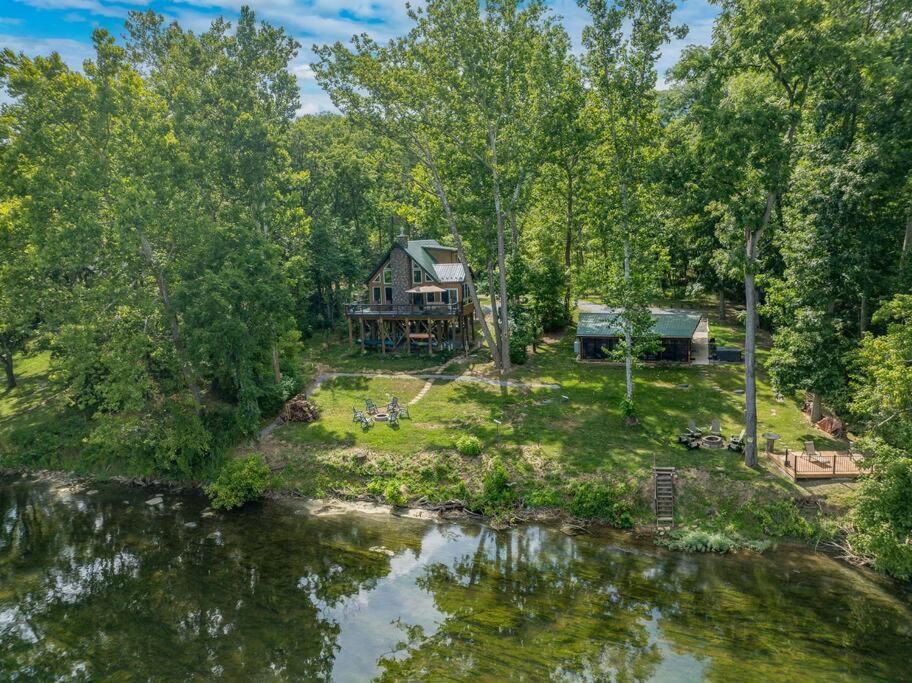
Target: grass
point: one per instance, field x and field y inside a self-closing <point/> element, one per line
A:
<point x="548" y="440"/>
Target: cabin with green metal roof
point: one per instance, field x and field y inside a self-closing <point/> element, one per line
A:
<point x="416" y="298"/>
<point x="599" y="334"/>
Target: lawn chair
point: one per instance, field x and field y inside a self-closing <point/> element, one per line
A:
<point x="366" y="421"/>
<point x="393" y="418"/>
<point x="691" y="434"/>
<point x="357" y="415"/>
<point x="810" y="450"/>
<point x="393" y="404"/>
<point x="370" y="406"/>
<point x="715" y="428"/>
<point x="736" y="443"/>
<point x="403" y="411"/>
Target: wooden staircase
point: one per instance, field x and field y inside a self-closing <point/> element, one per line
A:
<point x="664" y="495"/>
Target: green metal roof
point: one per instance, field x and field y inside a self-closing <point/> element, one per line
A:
<point x="416" y="249"/>
<point x="678" y="324"/>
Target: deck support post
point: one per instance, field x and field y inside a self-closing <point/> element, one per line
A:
<point x="408" y="338"/>
<point x="351" y="338"/>
<point x="430" y="330"/>
<point x="382" y="325"/>
<point x="361" y="329"/>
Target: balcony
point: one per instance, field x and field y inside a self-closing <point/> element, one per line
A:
<point x="435" y="310"/>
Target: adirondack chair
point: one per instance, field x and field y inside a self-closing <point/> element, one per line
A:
<point x="716" y="427"/>
<point x="364" y="420"/>
<point x="393" y="404"/>
<point x="393" y="418"/>
<point x="403" y="410"/>
<point x="692" y="434"/>
<point x="357" y="415"/>
<point x="736" y="443"/>
<point x="370" y="406"/>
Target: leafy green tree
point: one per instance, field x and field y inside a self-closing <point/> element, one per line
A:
<point x="623" y="74"/>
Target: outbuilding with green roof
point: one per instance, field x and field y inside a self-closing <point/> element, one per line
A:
<point x="599" y="333"/>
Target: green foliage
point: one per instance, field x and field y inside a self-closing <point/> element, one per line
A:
<point x="628" y="409"/>
<point x="611" y="501"/>
<point x="468" y="445"/>
<point x="779" y="519"/>
<point x="497" y="491"/>
<point x="240" y="481"/>
<point x="392" y="493"/>
<point x="882" y="520"/>
<point x="701" y="541"/>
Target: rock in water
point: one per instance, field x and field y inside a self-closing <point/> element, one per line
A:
<point x="383" y="550"/>
<point x="158" y="500"/>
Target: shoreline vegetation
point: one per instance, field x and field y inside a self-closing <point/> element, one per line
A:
<point x="561" y="455"/>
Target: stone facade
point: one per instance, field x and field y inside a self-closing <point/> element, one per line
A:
<point x="401" y="265"/>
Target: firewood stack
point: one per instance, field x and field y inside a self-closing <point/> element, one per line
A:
<point x="299" y="409"/>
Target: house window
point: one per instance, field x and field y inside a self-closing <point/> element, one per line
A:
<point x="387" y="275"/>
<point x="389" y="295"/>
<point x="465" y="292"/>
<point x="428" y="278"/>
<point x="377" y="295"/>
<point x="432" y="297"/>
<point x="416" y="274"/>
<point x="453" y="295"/>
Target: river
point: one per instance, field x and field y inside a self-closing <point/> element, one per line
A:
<point x="96" y="584"/>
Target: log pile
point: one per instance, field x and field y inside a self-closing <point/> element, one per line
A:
<point x="299" y="409"/>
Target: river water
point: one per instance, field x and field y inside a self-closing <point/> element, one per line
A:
<point x="96" y="584"/>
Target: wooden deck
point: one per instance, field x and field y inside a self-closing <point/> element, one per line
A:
<point x="825" y="465"/>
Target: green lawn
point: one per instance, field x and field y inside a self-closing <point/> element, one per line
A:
<point x="547" y="437"/>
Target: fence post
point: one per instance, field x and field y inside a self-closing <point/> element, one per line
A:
<point x="834" y="464"/>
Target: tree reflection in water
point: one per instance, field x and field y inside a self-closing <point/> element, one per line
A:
<point x="101" y="585"/>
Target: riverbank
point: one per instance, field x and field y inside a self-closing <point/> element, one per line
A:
<point x="553" y="444"/>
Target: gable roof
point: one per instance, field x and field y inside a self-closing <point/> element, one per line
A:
<point x="666" y="324"/>
<point x="417" y="250"/>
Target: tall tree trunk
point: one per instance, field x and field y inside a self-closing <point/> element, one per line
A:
<point x="568" y="245"/>
<point x="907" y="242"/>
<point x="501" y="259"/>
<point x="176" y="338"/>
<point x="752" y="238"/>
<point x="722" y="310"/>
<point x="495" y="313"/>
<point x="460" y="250"/>
<point x="816" y="407"/>
<point x="7" y="359"/>
<point x="628" y="333"/>
<point x="863" y="314"/>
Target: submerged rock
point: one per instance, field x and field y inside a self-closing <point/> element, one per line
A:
<point x="190" y="525"/>
<point x="382" y="549"/>
<point x="158" y="500"/>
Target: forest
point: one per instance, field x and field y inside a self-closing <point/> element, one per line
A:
<point x="173" y="233"/>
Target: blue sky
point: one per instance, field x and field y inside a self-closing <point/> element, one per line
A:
<point x="65" y="26"/>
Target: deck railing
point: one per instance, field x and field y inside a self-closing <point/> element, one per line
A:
<point x="404" y="310"/>
<point x="821" y="466"/>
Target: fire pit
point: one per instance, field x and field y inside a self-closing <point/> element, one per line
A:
<point x="381" y="417"/>
<point x="712" y="441"/>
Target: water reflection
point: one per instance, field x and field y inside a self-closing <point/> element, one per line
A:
<point x="98" y="584"/>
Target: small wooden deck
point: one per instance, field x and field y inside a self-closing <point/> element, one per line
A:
<point x="825" y="465"/>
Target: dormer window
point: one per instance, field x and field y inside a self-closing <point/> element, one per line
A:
<point x="416" y="274"/>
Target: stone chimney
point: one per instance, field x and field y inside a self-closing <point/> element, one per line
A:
<point x="402" y="240"/>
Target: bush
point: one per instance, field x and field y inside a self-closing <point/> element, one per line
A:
<point x="779" y="519"/>
<point x="239" y="482"/>
<point x="497" y="492"/>
<point x="613" y="502"/>
<point x="468" y="445"/>
<point x="519" y="350"/>
<point x="702" y="541"/>
<point x="392" y="492"/>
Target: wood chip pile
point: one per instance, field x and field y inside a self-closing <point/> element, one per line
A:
<point x="299" y="409"/>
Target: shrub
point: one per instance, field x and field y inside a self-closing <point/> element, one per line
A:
<point x="239" y="482"/>
<point x="519" y="351"/>
<point x="702" y="541"/>
<point x="613" y="502"/>
<point x="779" y="518"/>
<point x="627" y="408"/>
<point x="392" y="492"/>
<point x="497" y="492"/>
<point x="468" y="445"/>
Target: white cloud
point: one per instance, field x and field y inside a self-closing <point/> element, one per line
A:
<point x="10" y="21"/>
<point x="73" y="52"/>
